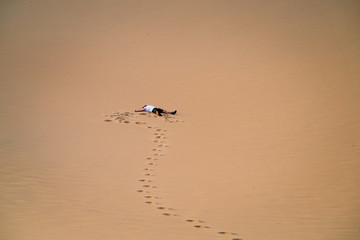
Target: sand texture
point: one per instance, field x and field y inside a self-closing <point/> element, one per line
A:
<point x="265" y="144"/>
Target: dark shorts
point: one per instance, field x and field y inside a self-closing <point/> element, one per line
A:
<point x="158" y="111"/>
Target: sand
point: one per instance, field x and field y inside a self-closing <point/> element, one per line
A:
<point x="265" y="144"/>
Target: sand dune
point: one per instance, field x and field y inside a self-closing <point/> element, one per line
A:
<point x="265" y="144"/>
<point x="148" y="188"/>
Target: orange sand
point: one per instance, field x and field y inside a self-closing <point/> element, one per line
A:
<point x="265" y="145"/>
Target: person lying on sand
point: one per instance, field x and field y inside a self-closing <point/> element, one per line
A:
<point x="158" y="111"/>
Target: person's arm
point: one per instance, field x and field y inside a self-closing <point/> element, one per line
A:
<point x="141" y="110"/>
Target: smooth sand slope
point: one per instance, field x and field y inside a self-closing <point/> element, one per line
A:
<point x="265" y="144"/>
<point x="152" y="161"/>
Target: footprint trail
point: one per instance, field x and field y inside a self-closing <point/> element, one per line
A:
<point x="153" y="160"/>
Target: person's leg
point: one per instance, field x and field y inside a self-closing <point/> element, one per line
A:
<point x="173" y="113"/>
<point x="159" y="111"/>
<point x="156" y="111"/>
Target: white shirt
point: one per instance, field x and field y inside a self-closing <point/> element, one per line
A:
<point x="149" y="108"/>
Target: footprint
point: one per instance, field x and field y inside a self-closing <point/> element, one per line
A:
<point x="160" y="139"/>
<point x="193" y="221"/>
<point x="169" y="214"/>
<point x="165" y="208"/>
<point x="226" y="233"/>
<point x="148" y="196"/>
<point x="201" y="226"/>
<point x="144" y="180"/>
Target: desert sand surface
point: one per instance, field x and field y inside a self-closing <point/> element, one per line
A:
<point x="265" y="145"/>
